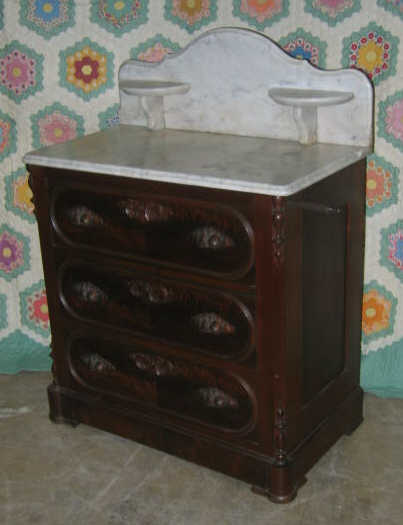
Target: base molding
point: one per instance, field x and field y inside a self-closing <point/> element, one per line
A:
<point x="61" y="406"/>
<point x="279" y="484"/>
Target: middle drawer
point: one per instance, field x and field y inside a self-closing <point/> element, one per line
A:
<point x="171" y="311"/>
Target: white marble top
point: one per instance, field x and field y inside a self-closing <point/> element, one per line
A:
<point x="248" y="164"/>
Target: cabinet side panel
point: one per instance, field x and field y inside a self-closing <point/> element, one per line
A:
<point x="323" y="296"/>
<point x="333" y="215"/>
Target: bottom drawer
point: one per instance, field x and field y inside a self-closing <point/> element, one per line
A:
<point x="184" y="389"/>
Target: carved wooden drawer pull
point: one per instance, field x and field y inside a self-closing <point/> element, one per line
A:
<point x="97" y="363"/>
<point x="215" y="398"/>
<point x="211" y="238"/>
<point x="153" y="293"/>
<point x="157" y="366"/>
<point x="83" y="216"/>
<point x="146" y="212"/>
<point x="212" y="323"/>
<point x="90" y="293"/>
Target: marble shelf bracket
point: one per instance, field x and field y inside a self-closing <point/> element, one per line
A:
<point x="305" y="104"/>
<point x="146" y="98"/>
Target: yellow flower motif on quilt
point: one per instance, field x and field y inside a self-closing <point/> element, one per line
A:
<point x="376" y="311"/>
<point x="23" y="195"/>
<point x="370" y="56"/>
<point x="87" y="69"/>
<point x="191" y="6"/>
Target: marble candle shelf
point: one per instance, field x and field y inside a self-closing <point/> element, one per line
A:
<point x="150" y="97"/>
<point x="305" y="104"/>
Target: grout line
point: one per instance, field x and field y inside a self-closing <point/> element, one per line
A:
<point x="112" y="482"/>
<point x="7" y="506"/>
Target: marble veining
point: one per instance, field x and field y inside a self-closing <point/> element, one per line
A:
<point x="249" y="164"/>
<point x="231" y="71"/>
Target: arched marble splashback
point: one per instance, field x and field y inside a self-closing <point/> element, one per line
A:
<point x="230" y="72"/>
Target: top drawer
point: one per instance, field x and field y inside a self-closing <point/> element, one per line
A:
<point x="191" y="234"/>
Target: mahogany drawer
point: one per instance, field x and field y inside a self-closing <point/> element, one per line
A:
<point x="176" y="387"/>
<point x="195" y="318"/>
<point x="189" y="234"/>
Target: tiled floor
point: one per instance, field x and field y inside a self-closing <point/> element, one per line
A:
<point x="54" y="474"/>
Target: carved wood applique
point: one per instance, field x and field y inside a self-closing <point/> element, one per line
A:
<point x="213" y="397"/>
<point x="83" y="216"/>
<point x="160" y="366"/>
<point x="278" y="230"/>
<point x="211" y="238"/>
<point x="211" y="323"/>
<point x="155" y="365"/>
<point x="96" y="363"/>
<point x="146" y="211"/>
<point x="280" y="435"/>
<point x="152" y="292"/>
<point x="90" y="293"/>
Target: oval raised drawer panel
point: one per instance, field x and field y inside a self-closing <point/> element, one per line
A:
<point x="185" y="389"/>
<point x="176" y="313"/>
<point x="194" y="235"/>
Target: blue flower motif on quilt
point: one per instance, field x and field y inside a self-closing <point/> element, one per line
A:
<point x="48" y="18"/>
<point x="48" y="10"/>
<point x="305" y="46"/>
